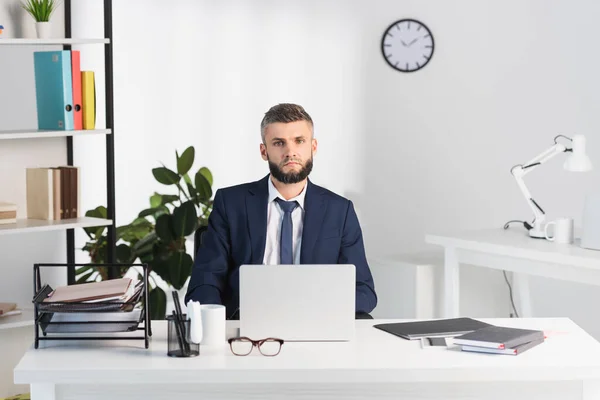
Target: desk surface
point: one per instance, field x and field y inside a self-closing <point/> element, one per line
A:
<point x="374" y="356"/>
<point x="515" y="242"/>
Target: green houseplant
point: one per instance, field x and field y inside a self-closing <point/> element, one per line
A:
<point x="157" y="236"/>
<point x="41" y="11"/>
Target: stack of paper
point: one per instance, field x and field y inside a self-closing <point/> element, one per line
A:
<point x="113" y="289"/>
<point x="500" y="340"/>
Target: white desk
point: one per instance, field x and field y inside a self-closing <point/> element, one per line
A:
<point x="512" y="250"/>
<point x="374" y="365"/>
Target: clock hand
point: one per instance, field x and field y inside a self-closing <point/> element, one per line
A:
<point x="413" y="42"/>
<point x="405" y="45"/>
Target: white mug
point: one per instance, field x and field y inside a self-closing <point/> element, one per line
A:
<point x="563" y="230"/>
<point x="213" y="324"/>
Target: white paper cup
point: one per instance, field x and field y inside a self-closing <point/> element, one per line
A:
<point x="213" y="325"/>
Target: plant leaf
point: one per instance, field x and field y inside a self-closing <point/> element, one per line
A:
<point x="203" y="187"/>
<point x="123" y="253"/>
<point x="155" y="200"/>
<point x="98" y="212"/>
<point x="81" y="270"/>
<point x="165" y="176"/>
<point x="184" y="219"/>
<point x="184" y="163"/>
<point x="180" y="267"/>
<point x="148" y="240"/>
<point x="160" y="260"/>
<point x="158" y="303"/>
<point x="164" y="227"/>
<point x="207" y="174"/>
<point x="187" y="179"/>
<point x="85" y="277"/>
<point x="193" y="192"/>
<point x="169" y="198"/>
<point x="155" y="212"/>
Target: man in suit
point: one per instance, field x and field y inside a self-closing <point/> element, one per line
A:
<point x="281" y="219"/>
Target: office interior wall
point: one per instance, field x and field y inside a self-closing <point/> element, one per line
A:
<point x="423" y="152"/>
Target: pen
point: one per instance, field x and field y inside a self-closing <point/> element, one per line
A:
<point x="181" y="323"/>
<point x="180" y="338"/>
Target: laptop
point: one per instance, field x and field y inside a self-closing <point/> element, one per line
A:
<point x="298" y="302"/>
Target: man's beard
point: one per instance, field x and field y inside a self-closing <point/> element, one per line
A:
<point x="292" y="176"/>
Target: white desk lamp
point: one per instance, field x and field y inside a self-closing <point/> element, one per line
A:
<point x="577" y="161"/>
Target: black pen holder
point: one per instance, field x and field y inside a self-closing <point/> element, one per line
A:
<point x="179" y="344"/>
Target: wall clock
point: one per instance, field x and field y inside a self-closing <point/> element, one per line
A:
<point x="407" y="45"/>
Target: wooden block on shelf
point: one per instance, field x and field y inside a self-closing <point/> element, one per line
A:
<point x="8" y="213"/>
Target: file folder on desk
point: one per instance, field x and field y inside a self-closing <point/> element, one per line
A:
<point x="53" y="89"/>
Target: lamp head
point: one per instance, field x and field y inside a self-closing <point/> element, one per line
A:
<point x="578" y="160"/>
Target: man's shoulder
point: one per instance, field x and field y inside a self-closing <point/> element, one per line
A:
<point x="236" y="190"/>
<point x="330" y="195"/>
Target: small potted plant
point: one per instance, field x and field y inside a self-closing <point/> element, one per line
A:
<point x="41" y="10"/>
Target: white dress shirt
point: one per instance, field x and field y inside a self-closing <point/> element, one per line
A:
<point x="274" y="222"/>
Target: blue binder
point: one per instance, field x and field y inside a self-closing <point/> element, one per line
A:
<point x="54" y="89"/>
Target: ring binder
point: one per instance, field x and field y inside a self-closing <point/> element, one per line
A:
<point x="55" y="319"/>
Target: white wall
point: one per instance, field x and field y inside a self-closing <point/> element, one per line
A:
<point x="20" y="252"/>
<point x="423" y="152"/>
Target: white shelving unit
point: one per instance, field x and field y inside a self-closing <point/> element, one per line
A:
<point x="59" y="41"/>
<point x="37" y="133"/>
<point x="17" y="321"/>
<point x="38" y="225"/>
<point x="26" y="318"/>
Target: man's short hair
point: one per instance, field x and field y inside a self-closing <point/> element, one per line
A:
<point x="284" y="112"/>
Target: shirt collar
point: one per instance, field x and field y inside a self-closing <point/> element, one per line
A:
<point x="274" y="193"/>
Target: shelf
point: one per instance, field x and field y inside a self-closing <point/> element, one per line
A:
<point x="58" y="41"/>
<point x="38" y="225"/>
<point x="36" y="133"/>
<point x="17" y="321"/>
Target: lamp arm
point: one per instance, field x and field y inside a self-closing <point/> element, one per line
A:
<point x="540" y="159"/>
<point x="538" y="212"/>
<point x="519" y="171"/>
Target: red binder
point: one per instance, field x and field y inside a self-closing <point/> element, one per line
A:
<point x="76" y="76"/>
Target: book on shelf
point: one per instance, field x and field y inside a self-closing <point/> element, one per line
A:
<point x="88" y="92"/>
<point x="8" y="213"/>
<point x="76" y="85"/>
<point x="53" y="193"/>
<point x="53" y="89"/>
<point x="65" y="95"/>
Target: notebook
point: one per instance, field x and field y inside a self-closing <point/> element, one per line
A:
<point x="499" y="337"/>
<point x="514" y="351"/>
<point x="432" y="328"/>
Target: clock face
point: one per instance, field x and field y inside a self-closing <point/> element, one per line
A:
<point x="407" y="45"/>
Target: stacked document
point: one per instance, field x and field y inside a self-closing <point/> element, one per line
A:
<point x="499" y="340"/>
<point x="112" y="289"/>
<point x="111" y="295"/>
<point x="78" y="322"/>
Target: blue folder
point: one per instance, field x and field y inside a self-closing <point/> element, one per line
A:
<point x="54" y="89"/>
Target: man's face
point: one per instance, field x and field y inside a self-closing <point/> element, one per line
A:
<point x="289" y="149"/>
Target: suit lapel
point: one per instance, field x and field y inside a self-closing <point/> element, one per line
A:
<point x="314" y="214"/>
<point x="256" y="211"/>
